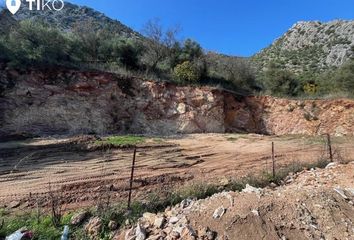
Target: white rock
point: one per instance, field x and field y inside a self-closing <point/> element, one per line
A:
<point x="218" y="213"/>
<point x="173" y="220"/>
<point x="341" y="193"/>
<point x="250" y="189"/>
<point x="331" y="165"/>
<point x="140" y="233"/>
<point x="159" y="222"/>
<point x="255" y="212"/>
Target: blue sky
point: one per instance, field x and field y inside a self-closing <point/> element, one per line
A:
<point x="232" y="27"/>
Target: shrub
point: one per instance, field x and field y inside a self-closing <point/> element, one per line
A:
<point x="310" y="88"/>
<point x="187" y="72"/>
<point x="121" y="50"/>
<point x="281" y="82"/>
<point x="36" y="43"/>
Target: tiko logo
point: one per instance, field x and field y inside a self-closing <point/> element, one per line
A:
<point x="13" y="5"/>
<point x="39" y="5"/>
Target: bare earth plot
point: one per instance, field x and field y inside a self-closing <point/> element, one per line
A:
<point x="28" y="169"/>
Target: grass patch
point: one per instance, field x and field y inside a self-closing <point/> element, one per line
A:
<point x="41" y="226"/>
<point x="121" y="141"/>
<point x="234" y="137"/>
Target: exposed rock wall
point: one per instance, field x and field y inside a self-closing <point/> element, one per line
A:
<point x="105" y="103"/>
<point x="269" y="115"/>
<point x="71" y="102"/>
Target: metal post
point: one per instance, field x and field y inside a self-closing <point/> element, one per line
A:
<point x="131" y="180"/>
<point x="329" y="147"/>
<point x="273" y="160"/>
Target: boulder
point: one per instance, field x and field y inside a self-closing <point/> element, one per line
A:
<point x="93" y="227"/>
<point x="159" y="222"/>
<point x="78" y="218"/>
<point x="140" y="233"/>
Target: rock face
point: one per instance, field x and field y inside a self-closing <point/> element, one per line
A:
<point x="314" y="46"/>
<point x="269" y="115"/>
<point x="72" y="102"/>
<point x="69" y="102"/>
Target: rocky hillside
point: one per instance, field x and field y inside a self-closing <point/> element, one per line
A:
<point x="63" y="101"/>
<point x="311" y="46"/>
<point x="71" y="16"/>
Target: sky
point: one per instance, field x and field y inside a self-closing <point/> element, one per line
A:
<point x="232" y="27"/>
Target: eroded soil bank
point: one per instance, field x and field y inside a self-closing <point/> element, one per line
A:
<point x="73" y="102"/>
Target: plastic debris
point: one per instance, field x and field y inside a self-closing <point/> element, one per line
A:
<point x="65" y="235"/>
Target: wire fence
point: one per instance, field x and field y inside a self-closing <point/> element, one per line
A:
<point x="79" y="176"/>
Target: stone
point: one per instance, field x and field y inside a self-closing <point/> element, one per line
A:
<point x="93" y="227"/>
<point x="331" y="165"/>
<point x="250" y="189"/>
<point x="218" y="213"/>
<point x="130" y="234"/>
<point x="140" y="233"/>
<point x="154" y="237"/>
<point x="255" y="212"/>
<point x="224" y="182"/>
<point x="188" y="233"/>
<point x="159" y="222"/>
<point x="211" y="235"/>
<point x="341" y="193"/>
<point x="173" y="220"/>
<point x="175" y="235"/>
<point x="78" y="218"/>
<point x="150" y="217"/>
<point x="14" y="204"/>
<point x="186" y="203"/>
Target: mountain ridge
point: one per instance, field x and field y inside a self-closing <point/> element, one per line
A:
<point x="72" y="15"/>
<point x="311" y="46"/>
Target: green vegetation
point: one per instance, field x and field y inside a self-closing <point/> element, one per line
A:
<point x="41" y="226"/>
<point x="187" y="72"/>
<point x="121" y="141"/>
<point x="159" y="56"/>
<point x="280" y="82"/>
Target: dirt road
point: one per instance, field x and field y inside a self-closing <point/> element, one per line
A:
<point x="29" y="169"/>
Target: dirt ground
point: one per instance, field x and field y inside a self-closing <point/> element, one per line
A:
<point x="32" y="168"/>
<point x="315" y="204"/>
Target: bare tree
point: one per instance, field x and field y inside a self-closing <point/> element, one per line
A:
<point x="159" y="42"/>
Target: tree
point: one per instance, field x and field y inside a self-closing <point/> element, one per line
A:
<point x="35" y="43"/>
<point x="4" y="51"/>
<point x="159" y="44"/>
<point x="281" y="82"/>
<point x="90" y="38"/>
<point x="190" y="51"/>
<point x="344" y="77"/>
<point x="122" y="50"/>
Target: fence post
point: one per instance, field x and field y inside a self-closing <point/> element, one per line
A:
<point x="131" y="180"/>
<point x="273" y="160"/>
<point x="329" y="147"/>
